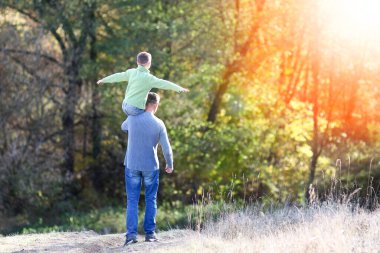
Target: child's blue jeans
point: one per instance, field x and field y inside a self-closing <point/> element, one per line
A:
<point x="131" y="110"/>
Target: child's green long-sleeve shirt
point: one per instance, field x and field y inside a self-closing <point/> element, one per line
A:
<point x="140" y="82"/>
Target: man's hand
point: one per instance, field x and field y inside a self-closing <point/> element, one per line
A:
<point x="100" y="82"/>
<point x="169" y="170"/>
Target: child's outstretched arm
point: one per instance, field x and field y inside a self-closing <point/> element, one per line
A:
<point x="115" y="78"/>
<point x="167" y="85"/>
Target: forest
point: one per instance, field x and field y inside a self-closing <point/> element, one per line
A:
<point x="284" y="102"/>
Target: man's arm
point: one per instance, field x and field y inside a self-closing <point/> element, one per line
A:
<point x="115" y="78"/>
<point x="166" y="149"/>
<point x="124" y="126"/>
<point x="166" y="85"/>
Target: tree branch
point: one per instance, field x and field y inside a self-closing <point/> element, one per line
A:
<point x="25" y="52"/>
<point x="47" y="27"/>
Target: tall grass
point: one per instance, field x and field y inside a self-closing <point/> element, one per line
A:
<point x="328" y="227"/>
<point x="344" y="218"/>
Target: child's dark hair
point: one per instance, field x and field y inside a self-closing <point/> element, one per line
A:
<point x="153" y="98"/>
<point x="143" y="58"/>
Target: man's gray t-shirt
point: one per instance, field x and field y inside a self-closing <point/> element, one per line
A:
<point x="145" y="131"/>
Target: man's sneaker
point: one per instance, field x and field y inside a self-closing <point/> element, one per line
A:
<point x="151" y="238"/>
<point x="129" y="241"/>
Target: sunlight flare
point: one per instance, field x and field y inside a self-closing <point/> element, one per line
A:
<point x="353" y="19"/>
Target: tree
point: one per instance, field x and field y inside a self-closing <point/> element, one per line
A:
<point x="70" y="27"/>
<point x="245" y="26"/>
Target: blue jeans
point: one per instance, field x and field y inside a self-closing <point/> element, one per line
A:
<point x="131" y="110"/>
<point x="133" y="180"/>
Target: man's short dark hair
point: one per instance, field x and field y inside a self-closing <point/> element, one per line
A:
<point x="153" y="98"/>
<point x="143" y="58"/>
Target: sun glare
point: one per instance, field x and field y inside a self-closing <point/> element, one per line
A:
<point x="353" y="19"/>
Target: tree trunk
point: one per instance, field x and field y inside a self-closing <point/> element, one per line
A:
<point x="316" y="145"/>
<point x="96" y="130"/>
<point x="71" y="99"/>
<point x="68" y="129"/>
<point x="313" y="167"/>
<point x="215" y="106"/>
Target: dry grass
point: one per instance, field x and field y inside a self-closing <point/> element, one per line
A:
<point x="330" y="228"/>
<point x="326" y="228"/>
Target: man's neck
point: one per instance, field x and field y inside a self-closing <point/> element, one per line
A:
<point x="150" y="109"/>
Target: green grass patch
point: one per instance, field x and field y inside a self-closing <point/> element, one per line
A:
<point x="109" y="220"/>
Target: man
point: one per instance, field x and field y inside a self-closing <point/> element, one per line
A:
<point x="145" y="131"/>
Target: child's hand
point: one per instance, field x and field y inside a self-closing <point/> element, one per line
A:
<point x="100" y="82"/>
<point x="184" y="90"/>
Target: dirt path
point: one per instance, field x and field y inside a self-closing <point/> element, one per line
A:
<point x="87" y="242"/>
